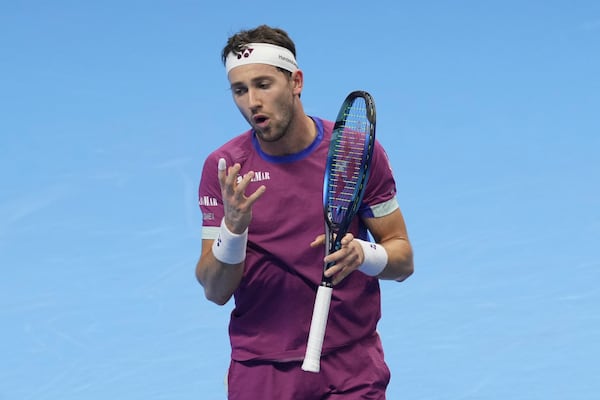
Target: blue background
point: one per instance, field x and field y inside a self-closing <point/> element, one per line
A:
<point x="489" y="113"/>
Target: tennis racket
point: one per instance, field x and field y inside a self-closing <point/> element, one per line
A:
<point x="346" y="175"/>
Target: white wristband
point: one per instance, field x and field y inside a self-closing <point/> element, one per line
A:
<point x="376" y="258"/>
<point x="229" y="247"/>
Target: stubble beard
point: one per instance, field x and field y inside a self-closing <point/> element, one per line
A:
<point x="277" y="129"/>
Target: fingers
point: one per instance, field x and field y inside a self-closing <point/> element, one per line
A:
<point x="256" y="195"/>
<point x="237" y="206"/>
<point x="319" y="241"/>
<point x="344" y="251"/>
<point x="228" y="177"/>
<point x="221" y="168"/>
<point x="241" y="185"/>
<point x="234" y="185"/>
<point x="346" y="260"/>
<point x="222" y="165"/>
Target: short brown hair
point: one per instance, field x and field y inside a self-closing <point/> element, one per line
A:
<point x="260" y="34"/>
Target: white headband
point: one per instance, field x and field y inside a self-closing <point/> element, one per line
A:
<point x="262" y="53"/>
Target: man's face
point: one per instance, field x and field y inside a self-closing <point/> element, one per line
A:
<point x="264" y="96"/>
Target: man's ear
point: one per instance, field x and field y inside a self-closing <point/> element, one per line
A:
<point x="297" y="82"/>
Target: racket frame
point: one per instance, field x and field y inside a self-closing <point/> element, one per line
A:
<point x="334" y="232"/>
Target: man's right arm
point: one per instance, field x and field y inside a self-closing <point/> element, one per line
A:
<point x="220" y="274"/>
<point x="219" y="280"/>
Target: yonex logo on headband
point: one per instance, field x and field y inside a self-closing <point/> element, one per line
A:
<point x="262" y="53"/>
<point x="246" y="53"/>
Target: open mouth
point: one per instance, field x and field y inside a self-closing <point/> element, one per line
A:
<point x="260" y="120"/>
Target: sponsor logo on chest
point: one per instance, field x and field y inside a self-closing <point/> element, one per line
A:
<point x="259" y="176"/>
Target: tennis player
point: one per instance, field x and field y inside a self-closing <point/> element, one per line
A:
<point x="263" y="238"/>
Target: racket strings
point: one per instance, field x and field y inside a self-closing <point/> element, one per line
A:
<point x="348" y="160"/>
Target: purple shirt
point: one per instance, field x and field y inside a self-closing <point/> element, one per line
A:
<point x="274" y="302"/>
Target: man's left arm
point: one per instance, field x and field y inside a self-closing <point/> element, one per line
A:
<point x="390" y="232"/>
<point x="390" y="258"/>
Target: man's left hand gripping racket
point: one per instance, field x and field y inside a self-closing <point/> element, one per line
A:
<point x="346" y="176"/>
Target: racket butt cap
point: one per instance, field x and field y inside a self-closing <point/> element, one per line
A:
<point x="311" y="366"/>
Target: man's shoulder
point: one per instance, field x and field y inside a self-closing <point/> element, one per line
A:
<point x="240" y="140"/>
<point x="234" y="149"/>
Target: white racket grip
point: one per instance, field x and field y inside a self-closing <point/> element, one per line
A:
<point x="316" y="335"/>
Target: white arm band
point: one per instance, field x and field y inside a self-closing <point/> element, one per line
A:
<point x="376" y="258"/>
<point x="229" y="247"/>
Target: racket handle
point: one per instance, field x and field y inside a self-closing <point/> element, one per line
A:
<point x="316" y="335"/>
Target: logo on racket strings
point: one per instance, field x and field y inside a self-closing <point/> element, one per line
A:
<point x="335" y="213"/>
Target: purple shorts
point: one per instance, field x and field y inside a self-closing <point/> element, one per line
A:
<point x="351" y="373"/>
